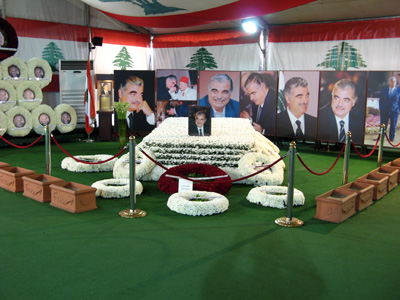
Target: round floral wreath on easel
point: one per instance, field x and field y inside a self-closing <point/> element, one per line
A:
<point x="65" y="125"/>
<point x="9" y="94"/>
<point x="115" y="188"/>
<point x="19" y="121"/>
<point x="221" y="181"/>
<point x="49" y="115"/>
<point x="3" y="123"/>
<point x="39" y="71"/>
<point x="274" y="196"/>
<point x="198" y="203"/>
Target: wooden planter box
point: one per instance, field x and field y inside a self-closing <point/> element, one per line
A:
<point x="365" y="193"/>
<point x="336" y="205"/>
<point x="11" y="178"/>
<point x="73" y="197"/>
<point x="393" y="175"/>
<point x="4" y="165"/>
<point x="379" y="181"/>
<point x="394" y="165"/>
<point x="37" y="187"/>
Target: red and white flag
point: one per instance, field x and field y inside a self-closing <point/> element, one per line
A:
<point x="90" y="110"/>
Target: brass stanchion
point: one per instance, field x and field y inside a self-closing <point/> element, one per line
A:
<point x="381" y="141"/>
<point x="289" y="221"/>
<point x="346" y="158"/>
<point x="47" y="149"/>
<point x="133" y="212"/>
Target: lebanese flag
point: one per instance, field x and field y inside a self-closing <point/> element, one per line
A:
<point x="90" y="110"/>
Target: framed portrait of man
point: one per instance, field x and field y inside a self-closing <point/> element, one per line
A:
<point x="220" y="91"/>
<point x="342" y="106"/>
<point x="105" y="94"/>
<point x="137" y="88"/>
<point x="258" y="95"/>
<point x="382" y="107"/>
<point x="199" y="121"/>
<point x="176" y="84"/>
<point x="297" y="106"/>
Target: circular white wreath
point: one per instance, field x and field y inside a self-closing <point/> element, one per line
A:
<point x="43" y="109"/>
<point x="70" y="164"/>
<point x="274" y="196"/>
<point x="116" y="188"/>
<point x="20" y="64"/>
<point x="18" y="131"/>
<point x="65" y="108"/>
<point x="143" y="165"/>
<point x="252" y="162"/>
<point x="37" y="62"/>
<point x="29" y="104"/>
<point x="198" y="203"/>
<point x="12" y="96"/>
<point x="3" y="123"/>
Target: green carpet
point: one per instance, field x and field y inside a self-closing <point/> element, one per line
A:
<point x="47" y="253"/>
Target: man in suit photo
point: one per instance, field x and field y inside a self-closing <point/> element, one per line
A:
<point x="336" y="119"/>
<point x="263" y="99"/>
<point x="294" y="121"/>
<point x="140" y="117"/>
<point x="200" y="126"/>
<point x="220" y="88"/>
<point x="167" y="87"/>
<point x="389" y="106"/>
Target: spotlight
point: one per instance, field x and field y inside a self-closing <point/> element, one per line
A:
<point x="249" y="26"/>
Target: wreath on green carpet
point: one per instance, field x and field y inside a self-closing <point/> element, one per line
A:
<point x="12" y="63"/>
<point x="220" y="180"/>
<point x="195" y="203"/>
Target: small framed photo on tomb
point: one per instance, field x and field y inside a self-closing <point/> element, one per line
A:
<point x="199" y="121"/>
<point x="105" y="94"/>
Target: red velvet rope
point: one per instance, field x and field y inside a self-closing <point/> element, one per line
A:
<point x="327" y="171"/>
<point x="201" y="181"/>
<point x="21" y="147"/>
<point x="390" y="141"/>
<point x="86" y="162"/>
<point x="372" y="151"/>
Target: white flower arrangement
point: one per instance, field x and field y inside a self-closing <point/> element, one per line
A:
<point x="70" y="164"/>
<point x="25" y="128"/>
<point x="11" y="101"/>
<point x="37" y="112"/>
<point x="29" y="104"/>
<point x="20" y="64"/>
<point x="65" y="109"/>
<point x="3" y="123"/>
<point x="37" y="62"/>
<point x="143" y="165"/>
<point x="274" y="196"/>
<point x="230" y="140"/>
<point x="253" y="162"/>
<point x="198" y="203"/>
<point x="116" y="188"/>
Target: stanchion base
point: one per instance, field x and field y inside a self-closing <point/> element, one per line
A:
<point x="287" y="222"/>
<point x="129" y="213"/>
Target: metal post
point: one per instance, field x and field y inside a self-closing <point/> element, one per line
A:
<point x="133" y="212"/>
<point x="47" y="149"/>
<point x="346" y="159"/>
<point x="381" y="140"/>
<point x="289" y="221"/>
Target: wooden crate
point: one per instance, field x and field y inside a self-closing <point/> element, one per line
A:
<point x="73" y="197"/>
<point x="365" y="193"/>
<point x="336" y="205"/>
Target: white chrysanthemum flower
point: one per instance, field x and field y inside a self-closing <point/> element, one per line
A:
<point x="274" y="196"/>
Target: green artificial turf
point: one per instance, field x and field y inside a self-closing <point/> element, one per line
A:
<point x="48" y="253"/>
